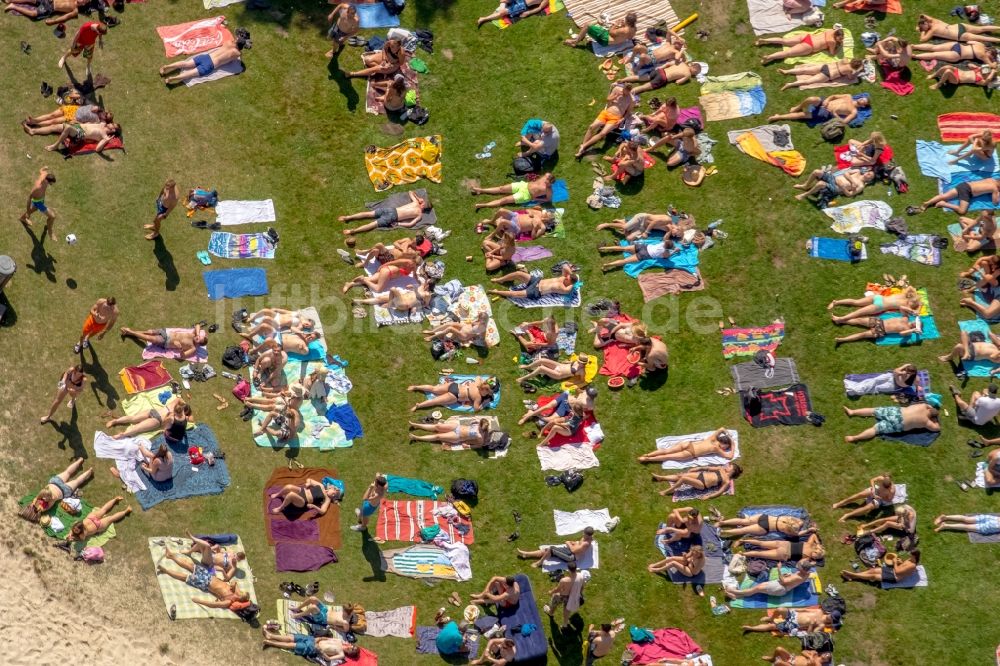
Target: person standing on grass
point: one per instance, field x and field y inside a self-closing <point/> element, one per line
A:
<point x="90" y="34"/>
<point x="102" y="316"/>
<point x="165" y="204"/>
<point x="36" y="201"/>
<point x="70" y="384"/>
<point x="370" y="502"/>
<point x="344" y="24"/>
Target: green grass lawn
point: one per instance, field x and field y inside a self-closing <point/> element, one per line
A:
<point x="283" y="130"/>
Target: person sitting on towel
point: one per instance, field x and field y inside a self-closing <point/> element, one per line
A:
<point x="903" y="519"/>
<point x="476" y="393"/>
<point x="386" y="62"/>
<point x="981" y="408"/>
<point x="628" y="333"/>
<point x="684" y="148"/>
<point x="615" y="35"/>
<point x="351" y="617"/>
<point x="639" y="252"/>
<point x="892" y="52"/>
<point x="75" y="111"/>
<point x="504" y="591"/>
<point x="565" y="426"/>
<point x="906" y="302"/>
<point x="690" y="564"/>
<point x="554" y="370"/>
<point x="520" y="192"/>
<point x="204" y="64"/>
<point x="811" y="75"/>
<point x="683" y="523"/>
<point x="514" y="9"/>
<point x="97" y="521"/>
<point x="459" y="332"/>
<point x="878" y="328"/>
<point x="628" y="160"/>
<point x="535" y="287"/>
<point x="894" y="570"/>
<point x="680" y="74"/>
<point x="618" y="105"/>
<point x="75" y="134"/>
<point x="310" y="495"/>
<point x="282" y="423"/>
<point x="866" y="153"/>
<point x="789" y="622"/>
<point x="225" y="561"/>
<point x="537" y="335"/>
<point x="186" y="341"/>
<point x="568" y="552"/>
<point x="797" y="46"/>
<point x="979" y="233"/>
<point x="785" y="583"/>
<point x="982" y="75"/>
<point x="979" y="145"/>
<point x="714" y="480"/>
<point x="159" y="466"/>
<point x="761" y="524"/>
<point x="975" y="346"/>
<point x="641" y="225"/>
<point x="406" y="216"/>
<point x="719" y="443"/>
<point x="330" y="649"/>
<point x="848" y="182"/>
<point x="881" y="491"/>
<point x="531" y="223"/>
<point x="499" y="253"/>
<point x="784" y="551"/>
<point x="782" y="657"/>
<point x="498" y="652"/>
<point x="896" y="419"/>
<point x="344" y="24"/>
<point x="932" y="28"/>
<point x="53" y="11"/>
<point x="538" y="137"/>
<point x="409" y="300"/>
<point x="398" y="268"/>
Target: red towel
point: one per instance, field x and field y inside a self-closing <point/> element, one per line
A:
<point x="616" y="363"/>
<point x="364" y="658"/>
<point x="146" y="377"/>
<point x="667" y="644"/>
<point x="958" y="126"/>
<point x="88" y="147"/>
<point x="844" y="162"/>
<point x="897" y="80"/>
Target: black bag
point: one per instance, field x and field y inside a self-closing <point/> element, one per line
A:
<point x="522" y="166"/>
<point x="394" y="7"/>
<point x="694" y="124"/>
<point x="234" y="358"/>
<point x="830" y="604"/>
<point x="572" y="480"/>
<point x="418" y="115"/>
<point x="833" y="130"/>
<point x="248" y="614"/>
<point x="497" y="441"/>
<point x="819" y="641"/>
<point x="465" y="489"/>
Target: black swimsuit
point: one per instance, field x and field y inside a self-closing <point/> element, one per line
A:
<point x="314" y="495"/>
<point x="796" y="551"/>
<point x="175" y="432"/>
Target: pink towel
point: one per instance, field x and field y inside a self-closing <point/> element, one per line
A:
<point x="194" y="37"/>
<point x="689" y="113"/>
<point x="531" y="253"/>
<point x="155" y="351"/>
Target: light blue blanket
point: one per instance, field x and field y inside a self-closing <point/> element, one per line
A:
<point x="686" y="259"/>
<point x="978" y="368"/>
<point x="933" y="159"/>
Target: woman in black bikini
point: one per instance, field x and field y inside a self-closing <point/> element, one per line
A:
<point x="476" y="393"/>
<point x="158" y="418"/>
<point x="386" y="62"/>
<point x="715" y="479"/>
<point x="785" y="551"/>
<point x="70" y="384"/>
<point x="825" y="73"/>
<point x="932" y="28"/>
<point x="762" y="524"/>
<point x="311" y="495"/>
<point x="956" y="52"/>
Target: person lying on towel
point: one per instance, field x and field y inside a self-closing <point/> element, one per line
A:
<point x="529" y="223"/>
<point x="797" y="46"/>
<point x="569" y="552"/>
<point x="877" y="328"/>
<point x="985" y="524"/>
<point x="534" y="286"/>
<point x="690" y="563"/>
<point x="719" y="443"/>
<point x="460" y="332"/>
<point x="894" y="570"/>
<point x="953" y="52"/>
<point x="277" y="319"/>
<point x="679" y="73"/>
<point x="451" y="433"/>
<point x="906" y="302"/>
<point x="892" y="52"/>
<point x="514" y="9"/>
<point x="672" y="48"/>
<point x="607" y="330"/>
<point x="761" y="524"/>
<point x="330" y="649"/>
<point x="224" y="560"/>
<point x="72" y="111"/>
<point x="782" y="657"/>
<point x="990" y="311"/>
<point x="502" y="591"/>
<point x="821" y="109"/>
<point x="784" y="551"/>
<point x="418" y="247"/>
<point x="409" y="300"/>
<point x="406" y="216"/>
<point x="171" y="418"/>
<point x="563" y="404"/>
<point x="97" y="521"/>
<point x="53" y="11"/>
<point x="300" y="341"/>
<point x="683" y="523"/>
<point x="204" y="64"/>
<point x="310" y="495"/>
<point x="619" y="32"/>
<point x="826" y="73"/>
<point x="350" y="619"/>
<point x="951" y="75"/>
<point x="642" y="225"/>
<point x="396" y="269"/>
<point x="201" y="576"/>
<point x="520" y="192"/>
<point x="618" y="106"/>
<point x="714" y="479"/>
<point x="881" y="491"/>
<point x="779" y="587"/>
<point x="832" y="183"/>
<point x="975" y="346"/>
<point x="789" y="622"/>
<point x="476" y="393"/>
<point x="556" y="371"/>
<point x="932" y="28"/>
<point x="186" y="340"/>
<point x="896" y="419"/>
<point x="74" y="134"/>
<point x="382" y="63"/>
<point x="684" y="147"/>
<point x="639" y="251"/>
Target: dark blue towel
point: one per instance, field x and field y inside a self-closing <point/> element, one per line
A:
<point x="219" y="539"/>
<point x="344" y="416"/>
<point x="208" y="480"/>
<point x="235" y="282"/>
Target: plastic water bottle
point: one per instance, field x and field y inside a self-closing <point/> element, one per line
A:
<point x="472" y="361"/>
<point x="229" y="375"/>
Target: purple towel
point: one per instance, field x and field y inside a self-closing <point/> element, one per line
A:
<point x="298" y="530"/>
<point x="301" y="557"/>
<point x="530" y="253"/>
<point x="689" y="113"/>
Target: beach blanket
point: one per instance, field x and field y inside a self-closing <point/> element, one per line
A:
<point x="531" y="647"/>
<point x="917" y="579"/>
<point x="687" y="493"/>
<point x="933" y="159"/>
<point x="748" y="341"/>
<point x="178" y="594"/>
<point x="919" y="248"/>
<point x="768" y="17"/>
<point x="715" y="556"/>
<point x="650" y="12"/>
<point x="399" y="622"/>
<point x="781" y="407"/>
<point x="551" y="7"/>
<point x="837" y="249"/>
<point x="929" y="330"/>
<point x="141" y="403"/>
<point x="957" y="126"/>
<point x="472" y="303"/>
<point x="667" y="443"/>
<point x="671" y="281"/>
<point x="560" y="193"/>
<point x="229" y="69"/>
<point x="686" y="258"/>
<point x="378" y="84"/>
<point x="857" y="215"/>
<point x="590" y="559"/>
<point x="405" y="162"/>
<point x="303" y="541"/>
<point x="245" y="212"/>
<point x="882" y="383"/>
<point x="127" y="456"/>
<point x="573" y="522"/>
<point x="732" y="96"/>
<point x="427" y="642"/>
<point x="570" y="300"/>
<point x="146" y="377"/>
<point x="750" y="375"/>
<point x="608" y="50"/>
<point x="920" y="437"/>
<point x="90" y="147"/>
<point x="151" y="351"/>
<point x="403" y="520"/>
<point x="372" y="15"/>
<point x="771" y="144"/>
<point x="412" y="487"/>
<point x="806" y="594"/>
<point x="617" y="362"/>
<point x="666" y="644"/>
<point x="188" y="480"/>
<point x="241" y="246"/>
<point x="845" y="52"/>
<point x="978" y="367"/>
<point x="194" y="36"/>
<point x="423" y="560"/>
<point x="566" y="457"/>
<point x="235" y="283"/>
<point x="466" y="407"/>
<point x="288" y="624"/>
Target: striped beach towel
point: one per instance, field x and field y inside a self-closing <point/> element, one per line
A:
<point x="958" y="126"/>
<point x="241" y="246"/>
<point x="423" y="560"/>
<point x="748" y="341"/>
<point x="650" y="12"/>
<point x="402" y="521"/>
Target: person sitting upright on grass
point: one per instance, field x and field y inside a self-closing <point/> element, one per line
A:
<point x="690" y="563"/>
<point x="615" y="35"/>
<point x="514" y="9"/>
<point x="719" y="443"/>
<point x="881" y="491"/>
<point x="503" y="591"/>
<point x="520" y="192"/>
<point x="498" y="652"/>
<point x="684" y="522"/>
<point x="344" y="24"/>
<point x="617" y="107"/>
<point x="828" y="41"/>
<point x="535" y="286"/>
<point x="979" y="233"/>
<point x="713" y="480"/>
<point x="981" y="408"/>
<point x="185" y="341"/>
<point x="628" y="161"/>
<point x="539" y="138"/>
<point x="896" y="419"/>
<point x="821" y="74"/>
<point x="894" y="570"/>
<point x="601" y="642"/>
<point x="907" y="302"/>
<point x="204" y="64"/>
<point x="569" y="552"/>
<point x="932" y="28"/>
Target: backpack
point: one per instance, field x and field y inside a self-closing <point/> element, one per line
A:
<point x="417" y="115"/>
<point x="497" y="441"/>
<point x="248" y="614"/>
<point x="522" y="166"/>
<point x="92" y="554"/>
<point x="234" y="358"/>
<point x="465" y="489"/>
<point x="869" y="549"/>
<point x="830" y="604"/>
<point x="572" y="480"/>
<point x="819" y="641"/>
<point x="693" y="123"/>
<point x="394" y="7"/>
<point x="833" y="130"/>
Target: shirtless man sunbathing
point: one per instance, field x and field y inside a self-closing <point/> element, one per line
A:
<point x="782" y="657"/>
<point x="980" y="145"/>
<point x="398" y="268"/>
<point x="569" y="551"/>
<point x="53" y="11"/>
<point x="618" y="33"/>
<point x="671" y="49"/>
<point x="790" y="621"/>
<point x="639" y="252"/>
<point x="76" y="133"/>
<point x="719" y="443"/>
<point x="545" y="367"/>
<point x="460" y="332"/>
<point x="663" y="119"/>
<point x="535" y="286"/>
<point x="533" y="222"/>
<point x="617" y="107"/>
<point x="204" y="64"/>
<point x="906" y="302"/>
<point x="974" y="346"/>
<point x="680" y="74"/>
<point x="185" y="340"/>
<point x="841" y="182"/>
<point x="828" y="41"/>
<point x="821" y="109"/>
<point x="990" y="311"/>
<point x="520" y="192"/>
<point x="932" y="28"/>
<point x="476" y="393"/>
<point x="330" y="649"/>
<point x="964" y="192"/>
<point x="816" y="74"/>
<point x="895" y="419"/>
<point x="406" y="300"/>
<point x="779" y="587"/>
<point x="201" y="576"/>
<point x="315" y="612"/>
<point x="877" y="328"/>
<point x="406" y="216"/>
<point x="503" y="591"/>
<point x="513" y="9"/>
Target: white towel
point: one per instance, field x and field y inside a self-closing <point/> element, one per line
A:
<point x="458" y="553"/>
<point x="125" y="453"/>
<point x="229" y="69"/>
<point x="573" y="522"/>
<point x="900" y="496"/>
<point x="704" y="461"/>
<point x="595" y="433"/>
<point x="576" y="591"/>
<point x="567" y="457"/>
<point x="215" y="4"/>
<point x="245" y="212"/>
<point x="702" y="75"/>
<point x="980" y="480"/>
<point x="918" y="579"/>
<point x="588" y="560"/>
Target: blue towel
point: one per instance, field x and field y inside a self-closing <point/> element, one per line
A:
<point x="915" y="437"/>
<point x="375" y="15"/>
<point x="560" y="193"/>
<point x="336" y="483"/>
<point x="317" y="352"/>
<point x="415" y="487"/>
<point x="978" y="297"/>
<point x="611" y="49"/>
<point x="347" y="419"/>
<point x="220" y="539"/>
<point x="838" y="249"/>
<point x="208" y="480"/>
<point x="928" y="326"/>
<point x="459" y="407"/>
<point x="773" y="510"/>
<point x="686" y="259"/>
<point x="752" y="101"/>
<point x="933" y="158"/>
<point x="235" y="282"/>
<point x="978" y="368"/>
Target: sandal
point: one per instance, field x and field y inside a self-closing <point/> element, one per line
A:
<point x="312" y="588"/>
<point x="975" y="443"/>
<point x="514" y="536"/>
<point x="976" y="453"/>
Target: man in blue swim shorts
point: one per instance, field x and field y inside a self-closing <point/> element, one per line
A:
<point x="36" y="201"/>
<point x="370" y="502"/>
<point x="514" y="9"/>
<point x="330" y="649"/>
<point x="204" y="64"/>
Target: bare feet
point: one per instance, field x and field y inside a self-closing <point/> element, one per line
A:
<point x="848" y="411"/>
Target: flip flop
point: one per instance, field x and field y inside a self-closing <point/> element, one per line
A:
<point x="975" y="443"/>
<point x="312" y="588"/>
<point x="203" y="257"/>
<point x="976" y="453"/>
<point x="199" y="224"/>
<point x="172" y="613"/>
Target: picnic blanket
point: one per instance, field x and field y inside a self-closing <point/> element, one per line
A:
<point x="427" y="642"/>
<point x="917" y="579"/>
<point x="302" y="540"/>
<point x="589" y="559"/>
<point x="229" y="69"/>
<point x="837" y="249"/>
<point x="979" y="367"/>
<point x="806" y="594"/>
<point x="667" y="443"/>
<point x="666" y="644"/>
<point x="245" y="212"/>
<point x="882" y="383"/>
<point x="617" y="361"/>
<point x="919" y="248"/>
<point x="748" y="341"/>
<point x="188" y="480"/>
<point x="372" y="15"/>
<point x="178" y="594"/>
<point x="194" y="36"/>
<point x="732" y="96"/>
<point x="573" y="522"/>
<point x="423" y="560"/>
<point x="650" y="12"/>
<point x="671" y="281"/>
<point x="749" y="374"/>
<point x="470" y="304"/>
<point x="405" y="162"/>
<point x="768" y="17"/>
<point x="687" y="493"/>
<point x="789" y="406"/>
<point x="151" y="351"/>
<point x="771" y="144"/>
<point x="551" y="7"/>
<point x="377" y="85"/>
<point x="235" y="283"/>
<point x="145" y="377"/>
<point x="90" y="147"/>
<point x="857" y="215"/>
<point x="241" y="246"/>
<point x="929" y="330"/>
<point x="525" y="253"/>
<point x="464" y="407"/>
<point x="568" y="456"/>
<point x="846" y="51"/>
<point x="896" y="79"/>
<point x="957" y="126"/>
<point x="686" y="258"/>
<point x="403" y="520"/>
<point x="715" y="556"/>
